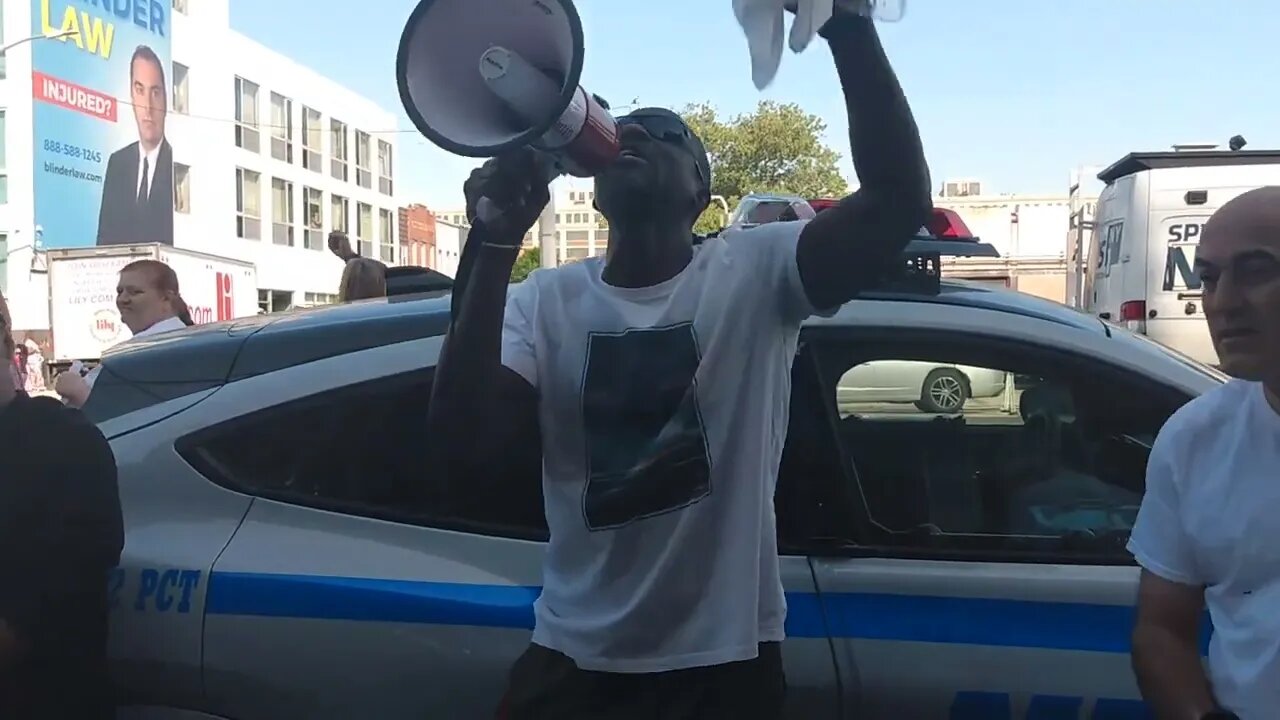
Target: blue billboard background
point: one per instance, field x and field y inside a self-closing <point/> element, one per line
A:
<point x="98" y="131"/>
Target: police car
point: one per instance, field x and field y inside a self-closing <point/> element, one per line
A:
<point x="293" y="552"/>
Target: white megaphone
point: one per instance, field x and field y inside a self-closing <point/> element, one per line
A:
<point x="481" y="77"/>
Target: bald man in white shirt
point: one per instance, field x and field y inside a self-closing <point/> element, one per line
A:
<point x="1208" y="533"/>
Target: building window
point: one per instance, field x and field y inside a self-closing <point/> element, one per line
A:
<point x="386" y="238"/>
<point x="248" y="205"/>
<point x="4" y="71"/>
<point x="4" y="163"/>
<point x="281" y="128"/>
<point x="338" y="146"/>
<point x="281" y="212"/>
<point x="364" y="229"/>
<point x="181" y="188"/>
<point x="339" y="210"/>
<point x="247" y="115"/>
<point x="316" y="298"/>
<point x="364" y="174"/>
<point x="313" y="207"/>
<point x="180" y="6"/>
<point x="311" y="142"/>
<point x="270" y="301"/>
<point x="384" y="168"/>
<point x="181" y="99"/>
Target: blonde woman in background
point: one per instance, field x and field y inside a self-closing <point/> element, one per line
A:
<point x="363" y="277"/>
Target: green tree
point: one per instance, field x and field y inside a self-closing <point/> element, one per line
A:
<point x="528" y="261"/>
<point x="777" y="148"/>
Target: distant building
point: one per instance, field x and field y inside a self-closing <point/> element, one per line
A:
<point x="1027" y="230"/>
<point x="417" y="236"/>
<point x="581" y="231"/>
<point x="449" y="239"/>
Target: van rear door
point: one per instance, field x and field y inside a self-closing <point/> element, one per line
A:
<point x="1175" y="313"/>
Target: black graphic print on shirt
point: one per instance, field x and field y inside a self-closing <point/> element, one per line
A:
<point x="646" y="445"/>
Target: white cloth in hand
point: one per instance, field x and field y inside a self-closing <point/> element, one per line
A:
<point x="762" y="22"/>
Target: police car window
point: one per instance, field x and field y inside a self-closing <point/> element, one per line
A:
<point x="359" y="450"/>
<point x="959" y="452"/>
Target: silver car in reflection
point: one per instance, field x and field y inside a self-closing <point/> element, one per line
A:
<point x="931" y="387"/>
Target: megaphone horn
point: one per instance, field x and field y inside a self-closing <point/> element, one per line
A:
<point x="481" y="77"/>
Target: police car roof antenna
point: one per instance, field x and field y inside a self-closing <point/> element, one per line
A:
<point x="1237" y="143"/>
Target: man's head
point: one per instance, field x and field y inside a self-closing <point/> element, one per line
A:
<point x="663" y="170"/>
<point x="1239" y="265"/>
<point x="149" y="97"/>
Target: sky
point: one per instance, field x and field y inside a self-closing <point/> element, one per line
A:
<point x="1015" y="93"/>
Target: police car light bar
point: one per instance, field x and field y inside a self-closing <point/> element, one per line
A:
<point x="946" y="224"/>
<point x="946" y="235"/>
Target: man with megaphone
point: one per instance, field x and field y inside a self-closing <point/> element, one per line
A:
<point x="659" y="377"/>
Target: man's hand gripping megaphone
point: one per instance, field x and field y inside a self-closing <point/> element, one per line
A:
<point x="507" y="194"/>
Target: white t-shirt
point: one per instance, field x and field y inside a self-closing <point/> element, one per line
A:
<point x="1211" y="517"/>
<point x="663" y="413"/>
<point x="166" y="325"/>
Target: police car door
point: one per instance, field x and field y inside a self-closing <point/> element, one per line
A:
<point x="345" y="593"/>
<point x="982" y="572"/>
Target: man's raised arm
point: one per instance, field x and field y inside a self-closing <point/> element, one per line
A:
<point x="479" y="405"/>
<point x="845" y="248"/>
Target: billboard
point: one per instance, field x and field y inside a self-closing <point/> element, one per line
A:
<point x="103" y="170"/>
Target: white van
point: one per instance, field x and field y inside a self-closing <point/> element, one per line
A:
<point x="1140" y="269"/>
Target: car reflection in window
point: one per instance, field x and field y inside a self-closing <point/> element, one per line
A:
<point x="951" y="449"/>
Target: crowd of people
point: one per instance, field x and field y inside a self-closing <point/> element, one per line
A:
<point x="661" y="594"/>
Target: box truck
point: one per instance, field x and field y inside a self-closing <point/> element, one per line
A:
<point x="83" y="318"/>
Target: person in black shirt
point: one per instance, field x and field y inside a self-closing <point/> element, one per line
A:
<point x="61" y="533"/>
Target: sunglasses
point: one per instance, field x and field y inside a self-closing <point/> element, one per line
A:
<point x="665" y="128"/>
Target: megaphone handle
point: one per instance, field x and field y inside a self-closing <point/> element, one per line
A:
<point x="488" y="212"/>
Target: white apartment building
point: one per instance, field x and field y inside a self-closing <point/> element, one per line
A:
<point x="269" y="156"/>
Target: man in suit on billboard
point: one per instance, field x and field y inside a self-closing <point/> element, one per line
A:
<point x="137" y="193"/>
